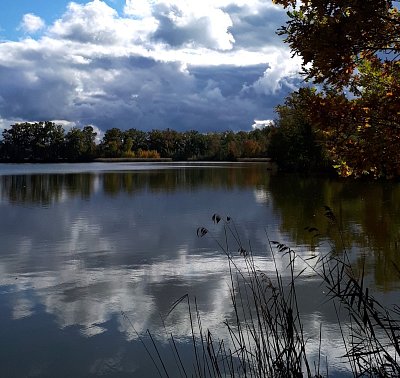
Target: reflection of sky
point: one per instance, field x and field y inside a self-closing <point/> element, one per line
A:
<point x="83" y="261"/>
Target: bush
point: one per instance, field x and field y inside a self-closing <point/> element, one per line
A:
<point x="147" y="154"/>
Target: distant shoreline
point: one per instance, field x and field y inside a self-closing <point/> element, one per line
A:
<point x="256" y="160"/>
<point x="240" y="160"/>
<point x="133" y="160"/>
<point x="136" y="160"/>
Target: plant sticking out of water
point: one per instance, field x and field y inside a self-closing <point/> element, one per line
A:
<point x="266" y="333"/>
<point x="371" y="334"/>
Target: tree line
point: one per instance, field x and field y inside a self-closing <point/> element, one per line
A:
<point x="49" y="142"/>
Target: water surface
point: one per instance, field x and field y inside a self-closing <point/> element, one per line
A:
<point x="93" y="255"/>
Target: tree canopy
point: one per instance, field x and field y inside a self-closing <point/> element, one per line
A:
<point x="351" y="49"/>
<point x="334" y="36"/>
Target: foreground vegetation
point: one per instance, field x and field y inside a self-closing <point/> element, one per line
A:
<point x="351" y="51"/>
<point x="267" y="337"/>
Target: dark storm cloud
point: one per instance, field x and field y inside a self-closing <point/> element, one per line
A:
<point x="255" y="30"/>
<point x="139" y="93"/>
<point x="177" y="67"/>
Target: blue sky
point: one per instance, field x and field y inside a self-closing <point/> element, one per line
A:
<point x="183" y="64"/>
<point x="12" y="12"/>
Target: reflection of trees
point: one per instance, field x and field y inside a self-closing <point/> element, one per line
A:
<point x="368" y="213"/>
<point x="45" y="189"/>
<point x="170" y="180"/>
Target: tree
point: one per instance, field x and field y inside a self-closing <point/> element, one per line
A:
<point x="167" y="142"/>
<point x="17" y="142"/>
<point x="80" y="144"/>
<point x="229" y="148"/>
<point x="89" y="142"/>
<point x="294" y="142"/>
<point x="193" y="145"/>
<point x="262" y="137"/>
<point x="112" y="143"/>
<point x="362" y="134"/>
<point x="74" y="144"/>
<point x="251" y="148"/>
<point x="333" y="36"/>
<point x="47" y="141"/>
<point x="41" y="141"/>
<point x="352" y="48"/>
<point x="138" y="138"/>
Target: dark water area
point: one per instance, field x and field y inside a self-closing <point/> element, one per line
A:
<point x="93" y="255"/>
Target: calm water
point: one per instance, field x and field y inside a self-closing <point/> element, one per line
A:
<point x="93" y="255"/>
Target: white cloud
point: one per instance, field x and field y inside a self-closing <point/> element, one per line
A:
<point x="6" y="123"/>
<point x="162" y="63"/>
<point x="138" y="8"/>
<point x="99" y="24"/>
<point x="197" y="24"/>
<point x="31" y="23"/>
<point x="261" y="123"/>
<point x="282" y="71"/>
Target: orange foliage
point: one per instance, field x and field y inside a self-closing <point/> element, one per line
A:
<point x="147" y="154"/>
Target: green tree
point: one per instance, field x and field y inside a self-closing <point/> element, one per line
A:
<point x="89" y="142"/>
<point x="39" y="141"/>
<point x="194" y="145"/>
<point x="17" y="142"/>
<point x="214" y="146"/>
<point x="167" y="142"/>
<point x="294" y="143"/>
<point x="80" y="144"/>
<point x="74" y="144"/>
<point x="138" y="138"/>
<point x="48" y="140"/>
<point x="111" y="145"/>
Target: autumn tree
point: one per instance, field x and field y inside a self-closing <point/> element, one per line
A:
<point x="333" y="36"/>
<point x="351" y="48"/>
<point x="362" y="133"/>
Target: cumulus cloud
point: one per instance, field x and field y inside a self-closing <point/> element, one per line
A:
<point x="97" y="23"/>
<point x="31" y="23"/>
<point x="138" y="8"/>
<point x="184" y="23"/>
<point x="210" y="65"/>
<point x="5" y="123"/>
<point x="262" y="123"/>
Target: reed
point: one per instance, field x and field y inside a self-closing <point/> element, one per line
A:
<point x="266" y="334"/>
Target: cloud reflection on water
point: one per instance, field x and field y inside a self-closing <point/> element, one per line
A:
<point x="86" y="247"/>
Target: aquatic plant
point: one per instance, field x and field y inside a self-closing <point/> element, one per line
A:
<point x="266" y="333"/>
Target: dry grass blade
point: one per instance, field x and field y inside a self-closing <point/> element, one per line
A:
<point x="265" y="330"/>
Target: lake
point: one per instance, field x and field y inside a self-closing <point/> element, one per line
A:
<point x="94" y="255"/>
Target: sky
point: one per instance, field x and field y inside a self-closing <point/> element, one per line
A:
<point x="209" y="65"/>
